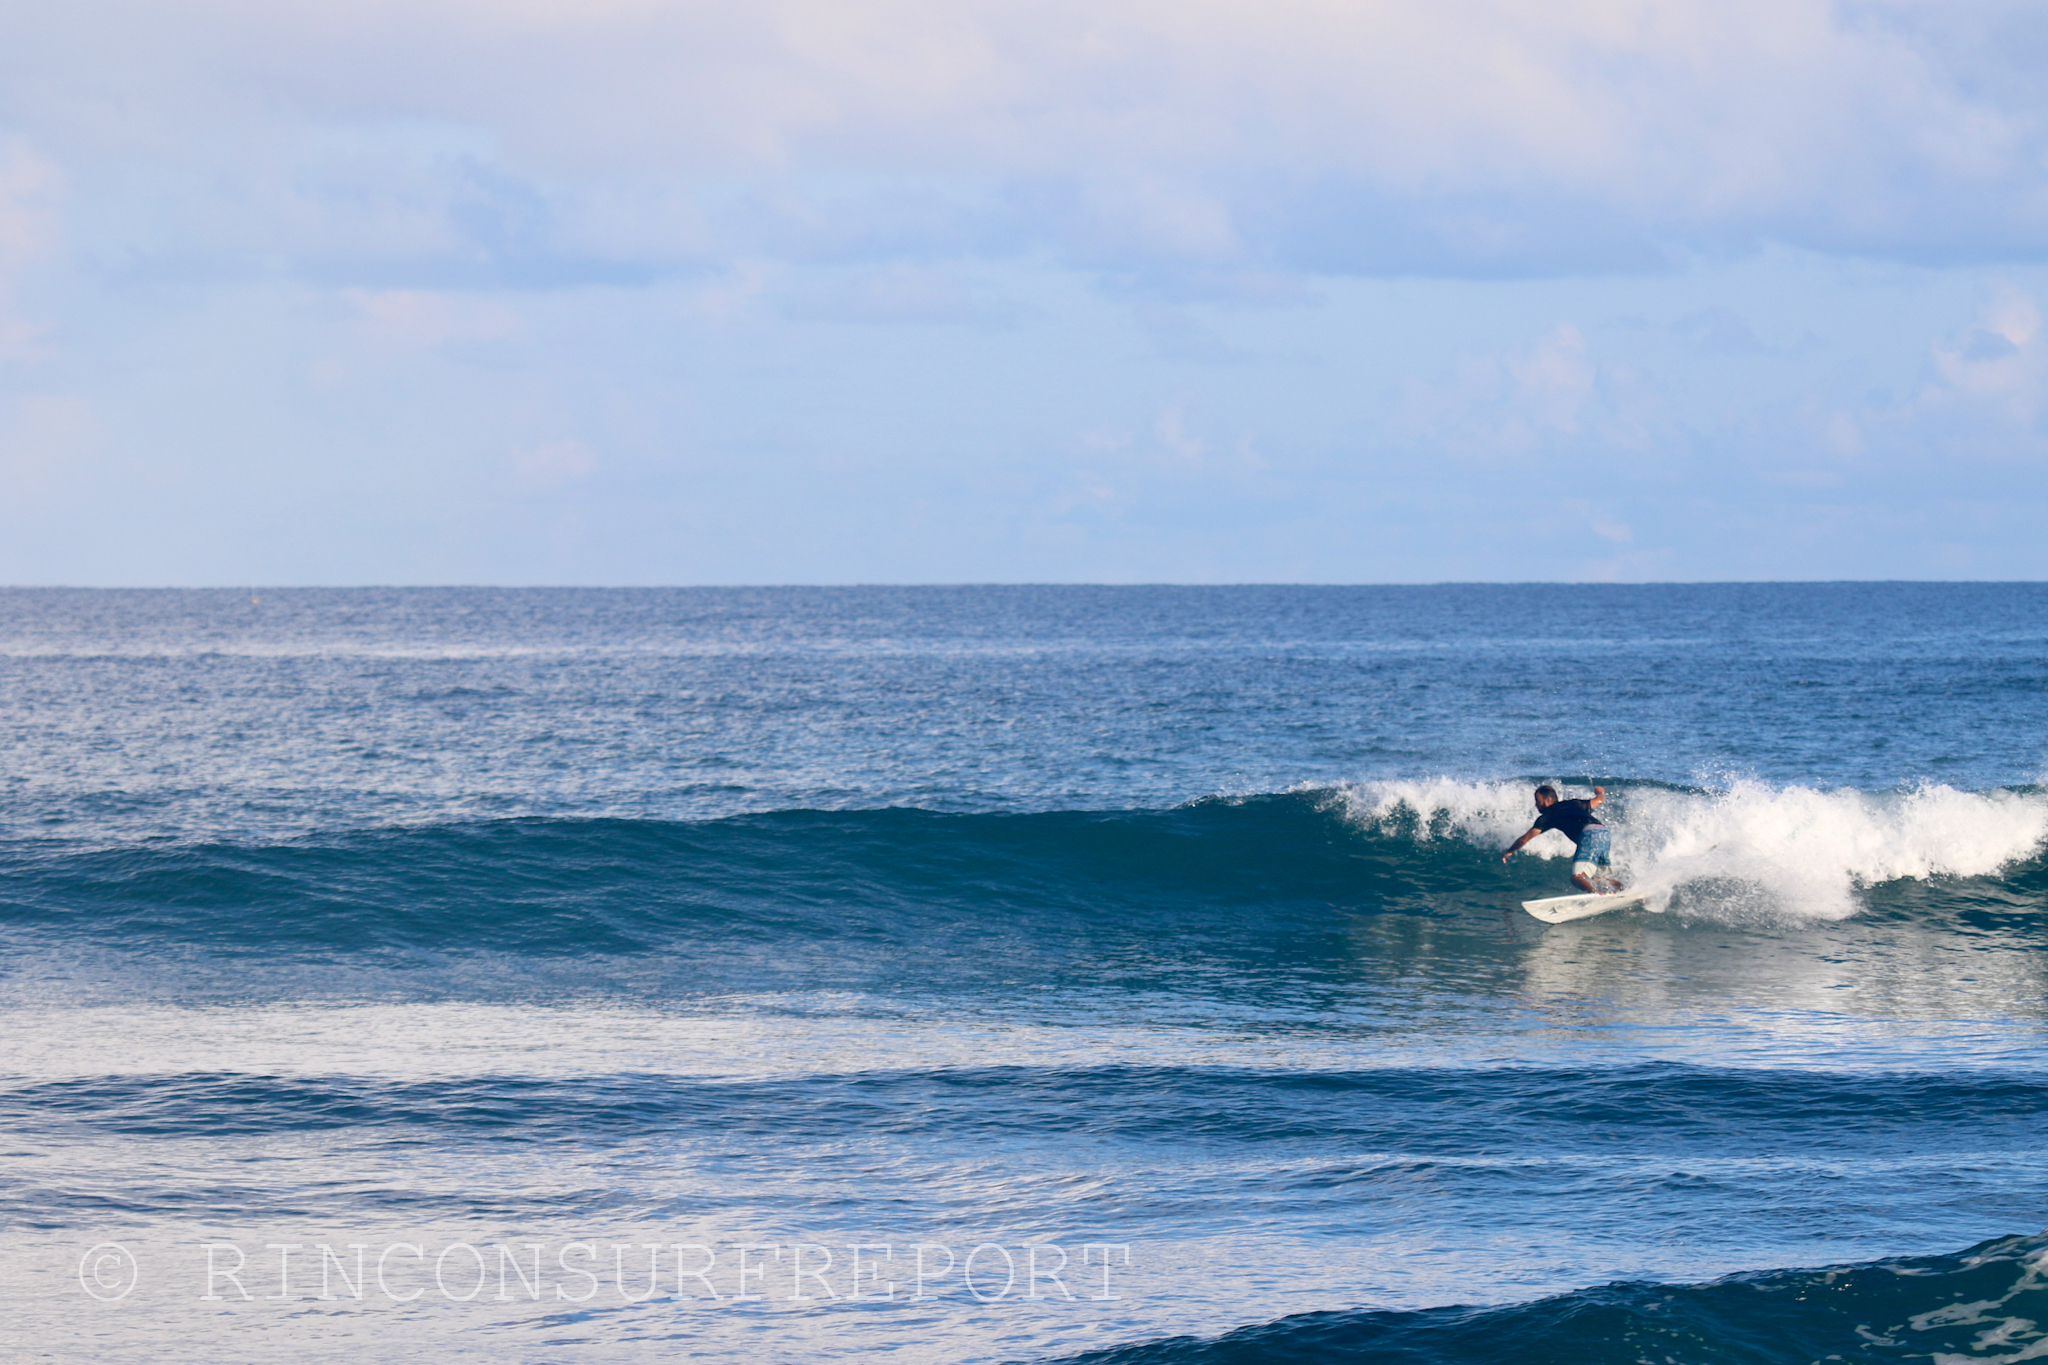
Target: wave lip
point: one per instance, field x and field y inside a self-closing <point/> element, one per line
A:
<point x="1986" y="1304"/>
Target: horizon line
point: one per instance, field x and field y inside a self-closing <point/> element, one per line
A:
<point x="1019" y="583"/>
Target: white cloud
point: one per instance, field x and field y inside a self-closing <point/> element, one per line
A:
<point x="28" y="225"/>
<point x="40" y="436"/>
<point x="29" y="237"/>
<point x="2002" y="362"/>
<point x="548" y="468"/>
<point x="1173" y="472"/>
<point x="899" y="293"/>
<point x="335" y="268"/>
<point x="1843" y="436"/>
<point x="1502" y="407"/>
<point x="553" y="142"/>
<point x="1553" y="380"/>
<point x="413" y="318"/>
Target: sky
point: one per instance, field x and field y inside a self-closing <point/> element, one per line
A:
<point x="863" y="291"/>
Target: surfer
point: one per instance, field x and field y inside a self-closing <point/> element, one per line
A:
<point x="1575" y="819"/>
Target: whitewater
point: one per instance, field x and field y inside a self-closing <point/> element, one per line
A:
<point x="1747" y="848"/>
<point x="1022" y="974"/>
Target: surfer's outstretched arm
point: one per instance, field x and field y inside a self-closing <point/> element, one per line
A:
<point x="1516" y="846"/>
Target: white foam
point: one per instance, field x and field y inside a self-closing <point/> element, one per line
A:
<point x="1482" y="813"/>
<point x="1745" y="849"/>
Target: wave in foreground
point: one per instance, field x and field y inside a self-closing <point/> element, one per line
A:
<point x="1988" y="1304"/>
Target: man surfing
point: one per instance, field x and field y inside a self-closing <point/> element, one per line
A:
<point x="1592" y="863"/>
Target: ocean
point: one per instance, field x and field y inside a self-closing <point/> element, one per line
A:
<point x="1022" y="974"/>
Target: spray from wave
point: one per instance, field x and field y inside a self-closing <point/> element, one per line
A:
<point x="1744" y="849"/>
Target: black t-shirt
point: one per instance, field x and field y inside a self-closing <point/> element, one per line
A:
<point x="1572" y="817"/>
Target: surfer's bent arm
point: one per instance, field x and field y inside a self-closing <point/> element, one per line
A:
<point x="1599" y="795"/>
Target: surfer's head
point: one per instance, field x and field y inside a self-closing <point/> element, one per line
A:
<point x="1546" y="795"/>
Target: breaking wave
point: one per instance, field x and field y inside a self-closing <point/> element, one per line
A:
<point x="1742" y="849"/>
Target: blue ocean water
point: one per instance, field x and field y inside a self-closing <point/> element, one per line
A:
<point x="1022" y="974"/>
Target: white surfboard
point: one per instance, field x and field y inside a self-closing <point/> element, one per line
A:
<point x="1558" y="909"/>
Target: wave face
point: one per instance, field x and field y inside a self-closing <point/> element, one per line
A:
<point x="744" y="930"/>
<point x="1984" y="1304"/>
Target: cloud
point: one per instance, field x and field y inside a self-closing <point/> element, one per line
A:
<point x="29" y="237"/>
<point x="545" y="143"/>
<point x="1172" y="472"/>
<point x="28" y="226"/>
<point x="1977" y="407"/>
<point x="1502" y="407"/>
<point x="552" y="467"/>
<point x="41" y="435"/>
<point x="1552" y="381"/>
<point x="2002" y="362"/>
<point x="383" y="290"/>
<point x="898" y="293"/>
<point x="411" y="318"/>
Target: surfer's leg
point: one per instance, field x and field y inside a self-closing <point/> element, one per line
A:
<point x="1593" y="867"/>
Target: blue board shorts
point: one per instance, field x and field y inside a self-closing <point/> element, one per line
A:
<point x="1596" y="851"/>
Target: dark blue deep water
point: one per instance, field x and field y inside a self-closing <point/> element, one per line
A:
<point x="1022" y="974"/>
